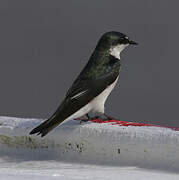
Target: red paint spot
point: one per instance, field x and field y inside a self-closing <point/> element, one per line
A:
<point x="125" y="123"/>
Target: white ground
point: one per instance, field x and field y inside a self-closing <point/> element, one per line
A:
<point x="34" y="170"/>
<point x="121" y="152"/>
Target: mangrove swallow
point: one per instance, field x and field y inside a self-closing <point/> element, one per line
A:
<point x="91" y="88"/>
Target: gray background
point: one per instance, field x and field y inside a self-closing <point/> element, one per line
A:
<point x="45" y="44"/>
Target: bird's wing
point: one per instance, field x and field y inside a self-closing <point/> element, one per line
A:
<point x="80" y="94"/>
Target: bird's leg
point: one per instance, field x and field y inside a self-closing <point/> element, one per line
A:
<point x="85" y="120"/>
<point x="88" y="116"/>
<point x="108" y="117"/>
<point x="103" y="117"/>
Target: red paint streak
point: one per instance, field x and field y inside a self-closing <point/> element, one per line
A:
<point x="125" y="123"/>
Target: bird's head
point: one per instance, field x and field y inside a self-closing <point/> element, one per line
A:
<point x="114" y="42"/>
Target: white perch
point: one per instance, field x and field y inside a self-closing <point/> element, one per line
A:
<point x="99" y="143"/>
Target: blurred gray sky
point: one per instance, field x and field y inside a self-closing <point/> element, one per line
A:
<point x="45" y="44"/>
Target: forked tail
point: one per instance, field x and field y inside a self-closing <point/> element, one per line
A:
<point x="45" y="127"/>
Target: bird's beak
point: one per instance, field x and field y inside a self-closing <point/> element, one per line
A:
<point x="133" y="43"/>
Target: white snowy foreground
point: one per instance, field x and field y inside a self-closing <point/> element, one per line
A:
<point x="87" y="151"/>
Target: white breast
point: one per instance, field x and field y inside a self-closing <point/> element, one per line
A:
<point x="96" y="105"/>
<point x="99" y="101"/>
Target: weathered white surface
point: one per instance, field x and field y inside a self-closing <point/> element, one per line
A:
<point x="146" y="147"/>
<point x="53" y="170"/>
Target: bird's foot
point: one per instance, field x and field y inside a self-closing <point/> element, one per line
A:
<point x="101" y="116"/>
<point x="108" y="117"/>
<point x="85" y="120"/>
<point x="105" y="117"/>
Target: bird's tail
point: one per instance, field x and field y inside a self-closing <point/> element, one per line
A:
<point x="45" y="127"/>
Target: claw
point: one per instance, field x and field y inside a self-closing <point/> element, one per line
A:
<point x="84" y="120"/>
<point x="108" y="117"/>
